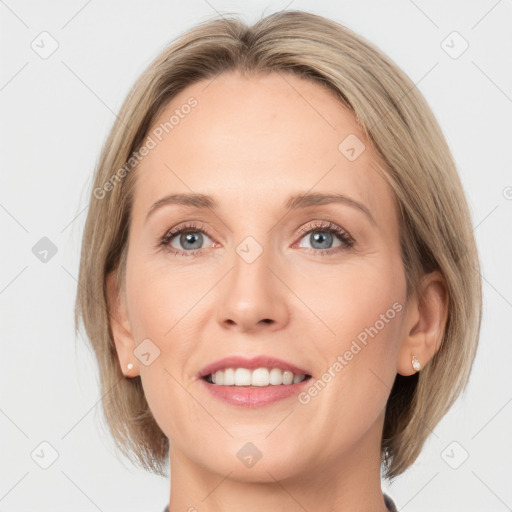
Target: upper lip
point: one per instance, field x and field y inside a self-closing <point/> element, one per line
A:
<point x="250" y="363"/>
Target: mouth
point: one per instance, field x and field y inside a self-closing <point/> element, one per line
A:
<point x="259" y="377"/>
<point x="255" y="382"/>
<point x="253" y="396"/>
<point x="261" y="370"/>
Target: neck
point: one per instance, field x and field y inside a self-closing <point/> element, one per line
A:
<point x="345" y="481"/>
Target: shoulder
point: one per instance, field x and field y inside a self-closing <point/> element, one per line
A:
<point x="390" y="504"/>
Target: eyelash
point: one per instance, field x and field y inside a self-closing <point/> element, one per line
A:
<point x="322" y="226"/>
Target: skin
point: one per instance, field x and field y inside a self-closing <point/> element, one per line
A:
<point x="250" y="143"/>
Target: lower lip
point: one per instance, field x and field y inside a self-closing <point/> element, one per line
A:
<point x="254" y="396"/>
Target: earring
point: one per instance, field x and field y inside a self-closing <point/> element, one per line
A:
<point x="415" y="363"/>
<point x="129" y="366"/>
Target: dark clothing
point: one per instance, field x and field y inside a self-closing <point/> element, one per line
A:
<point x="387" y="500"/>
<point x="389" y="503"/>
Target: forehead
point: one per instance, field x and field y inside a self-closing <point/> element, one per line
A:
<point x="251" y="142"/>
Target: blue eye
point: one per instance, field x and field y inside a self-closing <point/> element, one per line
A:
<point x="321" y="235"/>
<point x="190" y="237"/>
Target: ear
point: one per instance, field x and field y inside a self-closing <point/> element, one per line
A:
<point x="424" y="324"/>
<point x="120" y="326"/>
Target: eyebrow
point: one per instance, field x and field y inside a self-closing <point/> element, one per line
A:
<point x="294" y="202"/>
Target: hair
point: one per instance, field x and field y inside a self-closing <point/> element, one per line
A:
<point x="435" y="223"/>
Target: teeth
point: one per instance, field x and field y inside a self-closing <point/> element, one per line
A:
<point x="242" y="377"/>
<point x="257" y="377"/>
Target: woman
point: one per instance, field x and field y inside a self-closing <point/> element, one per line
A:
<point x="326" y="314"/>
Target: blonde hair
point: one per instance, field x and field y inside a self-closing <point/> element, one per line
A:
<point x="435" y="223"/>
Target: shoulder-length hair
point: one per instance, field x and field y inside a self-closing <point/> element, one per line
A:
<point x="435" y="223"/>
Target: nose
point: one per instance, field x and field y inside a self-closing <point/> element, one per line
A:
<point x="253" y="297"/>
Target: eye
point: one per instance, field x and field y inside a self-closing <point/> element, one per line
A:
<point x="189" y="239"/>
<point x="323" y="234"/>
<point x="185" y="240"/>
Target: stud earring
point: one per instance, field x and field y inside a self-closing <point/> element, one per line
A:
<point x="129" y="366"/>
<point x="415" y="363"/>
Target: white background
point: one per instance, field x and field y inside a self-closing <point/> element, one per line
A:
<point x="55" y="114"/>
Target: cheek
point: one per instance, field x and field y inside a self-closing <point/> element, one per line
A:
<point x="163" y="306"/>
<point x="356" y="366"/>
<point x="348" y="300"/>
<point x="361" y="309"/>
<point x="160" y="298"/>
<point x="372" y="304"/>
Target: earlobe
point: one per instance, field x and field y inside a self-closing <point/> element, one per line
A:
<point x="424" y="324"/>
<point x="120" y="327"/>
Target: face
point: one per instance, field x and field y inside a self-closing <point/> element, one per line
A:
<point x="318" y="284"/>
